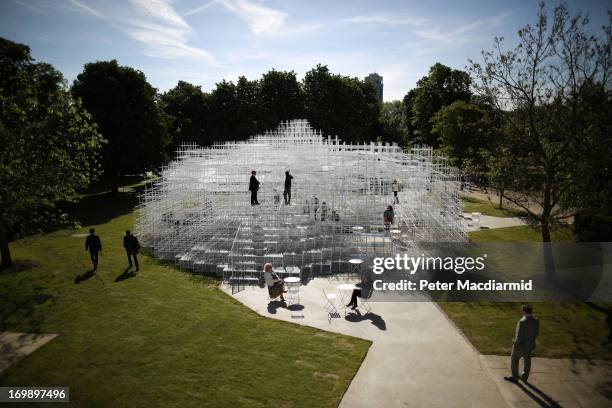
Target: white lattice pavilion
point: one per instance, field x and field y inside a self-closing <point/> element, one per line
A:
<point x="199" y="213"/>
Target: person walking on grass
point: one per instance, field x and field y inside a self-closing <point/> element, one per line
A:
<point x="527" y="331"/>
<point x="132" y="246"/>
<point x="94" y="246"/>
<point x="254" y="188"/>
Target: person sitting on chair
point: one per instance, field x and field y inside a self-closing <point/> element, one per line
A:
<point x="362" y="290"/>
<point x="275" y="284"/>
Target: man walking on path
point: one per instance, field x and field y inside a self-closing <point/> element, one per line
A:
<point x="527" y="330"/>
<point x="253" y="188"/>
<point x="287" y="192"/>
<point x="132" y="246"/>
<point x="94" y="246"/>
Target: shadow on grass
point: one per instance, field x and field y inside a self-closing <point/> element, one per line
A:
<point x="126" y="274"/>
<point x="18" y="309"/>
<point x="101" y="208"/>
<point x="83" y="277"/>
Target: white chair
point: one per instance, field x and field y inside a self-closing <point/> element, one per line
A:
<point x="330" y="305"/>
<point x="293" y="293"/>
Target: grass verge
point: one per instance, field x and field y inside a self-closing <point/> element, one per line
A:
<point x="158" y="337"/>
<point x="568" y="330"/>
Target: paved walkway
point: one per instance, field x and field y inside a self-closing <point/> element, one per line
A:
<point x="555" y="383"/>
<point x="490" y="222"/>
<point x="14" y="346"/>
<point x="417" y="359"/>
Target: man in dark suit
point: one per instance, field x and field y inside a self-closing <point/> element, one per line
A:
<point x="94" y="246"/>
<point x="527" y="330"/>
<point x="132" y="246"/>
<point x="287" y="192"/>
<point x="253" y="188"/>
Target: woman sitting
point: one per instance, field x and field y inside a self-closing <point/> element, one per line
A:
<point x="275" y="284"/>
<point x="363" y="290"/>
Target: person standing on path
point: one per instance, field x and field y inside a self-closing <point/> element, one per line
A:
<point x="527" y="330"/>
<point x="287" y="192"/>
<point x="94" y="246"/>
<point x="132" y="246"/>
<point x="254" y="188"/>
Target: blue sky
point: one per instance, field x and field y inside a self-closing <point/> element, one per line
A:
<point x="205" y="41"/>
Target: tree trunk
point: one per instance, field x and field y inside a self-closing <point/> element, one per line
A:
<point x="549" y="261"/>
<point x="501" y="198"/>
<point x="114" y="184"/>
<point x="5" y="252"/>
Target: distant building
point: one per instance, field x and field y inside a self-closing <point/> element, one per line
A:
<point x="377" y="81"/>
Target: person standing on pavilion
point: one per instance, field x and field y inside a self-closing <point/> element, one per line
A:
<point x="388" y="216"/>
<point x="254" y="188"/>
<point x="287" y="192"/>
<point x="395" y="189"/>
<point x="94" y="246"/>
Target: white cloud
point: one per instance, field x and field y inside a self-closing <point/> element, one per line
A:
<point x="386" y="20"/>
<point x="464" y="33"/>
<point x="259" y="18"/>
<point x="154" y="24"/>
<point x="88" y="9"/>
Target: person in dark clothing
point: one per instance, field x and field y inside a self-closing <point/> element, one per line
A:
<point x="253" y="188"/>
<point x="94" y="246"/>
<point x="132" y="246"/>
<point x="287" y="192"/>
<point x="363" y="290"/>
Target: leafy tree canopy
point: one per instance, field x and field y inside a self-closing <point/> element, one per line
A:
<point x="48" y="143"/>
<point x="124" y="106"/>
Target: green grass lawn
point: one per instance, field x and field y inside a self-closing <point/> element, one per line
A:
<point x="572" y="330"/>
<point x="471" y="204"/>
<point x="161" y="337"/>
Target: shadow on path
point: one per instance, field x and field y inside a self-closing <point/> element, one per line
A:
<point x="375" y="319"/>
<point x="538" y="395"/>
<point x="274" y="305"/>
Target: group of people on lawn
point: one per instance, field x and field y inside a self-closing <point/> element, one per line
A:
<point x="93" y="244"/>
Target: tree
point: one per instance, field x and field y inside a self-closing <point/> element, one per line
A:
<point x="464" y="130"/>
<point x="393" y="123"/>
<point x="540" y="87"/>
<point x="48" y="144"/>
<point x="124" y="106"/>
<point x="186" y="106"/>
<point x="340" y="105"/>
<point x="441" y="87"/>
<point x="280" y="98"/>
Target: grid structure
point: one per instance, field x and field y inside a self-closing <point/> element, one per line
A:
<point x="199" y="213"/>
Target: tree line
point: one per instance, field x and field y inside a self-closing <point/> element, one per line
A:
<point x="532" y="121"/>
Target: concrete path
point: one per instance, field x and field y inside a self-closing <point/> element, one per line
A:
<point x="418" y="358"/>
<point x="555" y="383"/>
<point x="489" y="222"/>
<point x="14" y="346"/>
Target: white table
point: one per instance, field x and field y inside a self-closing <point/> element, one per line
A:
<point x="291" y="280"/>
